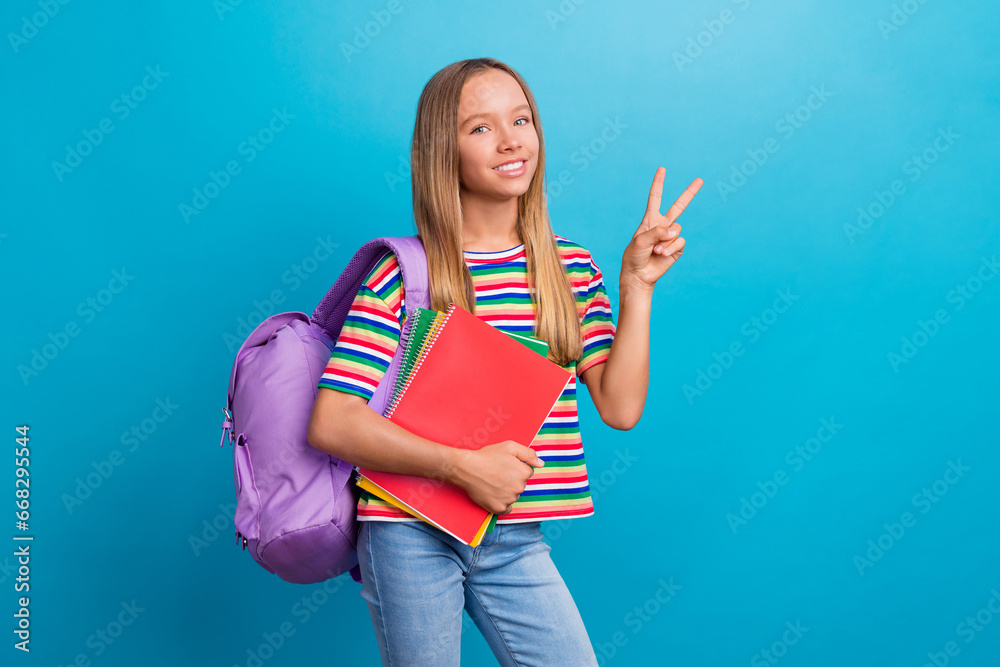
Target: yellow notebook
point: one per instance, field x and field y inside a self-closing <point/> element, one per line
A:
<point x="374" y="489"/>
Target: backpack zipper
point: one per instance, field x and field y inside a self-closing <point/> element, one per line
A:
<point x="227" y="426"/>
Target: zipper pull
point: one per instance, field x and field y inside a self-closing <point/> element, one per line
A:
<point x="227" y="426"/>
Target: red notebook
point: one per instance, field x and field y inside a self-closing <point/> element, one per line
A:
<point x="476" y="386"/>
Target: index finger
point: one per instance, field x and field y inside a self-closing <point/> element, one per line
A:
<point x="684" y="200"/>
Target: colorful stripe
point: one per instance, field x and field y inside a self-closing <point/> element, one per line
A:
<point x="370" y="337"/>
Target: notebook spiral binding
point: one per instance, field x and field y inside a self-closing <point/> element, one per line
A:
<point x="416" y="367"/>
<point x="395" y="390"/>
<point x="412" y="344"/>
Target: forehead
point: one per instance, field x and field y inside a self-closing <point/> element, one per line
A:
<point x="491" y="91"/>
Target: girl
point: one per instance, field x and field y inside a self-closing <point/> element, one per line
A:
<point x="478" y="164"/>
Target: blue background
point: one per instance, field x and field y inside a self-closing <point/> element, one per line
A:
<point x="337" y="171"/>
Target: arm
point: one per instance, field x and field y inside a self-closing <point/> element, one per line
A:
<point x="618" y="386"/>
<point x="343" y="426"/>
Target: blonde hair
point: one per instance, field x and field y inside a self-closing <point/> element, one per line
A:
<point x="434" y="159"/>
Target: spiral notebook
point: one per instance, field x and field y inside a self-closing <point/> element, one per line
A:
<point x="467" y="384"/>
<point x="422" y="323"/>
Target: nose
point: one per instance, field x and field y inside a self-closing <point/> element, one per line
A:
<point x="508" y="140"/>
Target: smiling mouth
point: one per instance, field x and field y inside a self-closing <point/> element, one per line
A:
<point x="510" y="166"/>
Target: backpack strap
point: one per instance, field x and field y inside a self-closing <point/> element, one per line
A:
<point x="332" y="310"/>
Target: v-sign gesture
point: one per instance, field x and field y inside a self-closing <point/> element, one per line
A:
<point x="657" y="244"/>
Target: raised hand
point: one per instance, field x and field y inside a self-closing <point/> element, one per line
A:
<point x="657" y="243"/>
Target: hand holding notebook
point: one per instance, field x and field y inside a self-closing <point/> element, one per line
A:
<point x="489" y="473"/>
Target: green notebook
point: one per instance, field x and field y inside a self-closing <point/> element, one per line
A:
<point x="536" y="344"/>
<point x="421" y="323"/>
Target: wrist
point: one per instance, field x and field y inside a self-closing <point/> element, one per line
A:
<point x="631" y="288"/>
<point x="454" y="465"/>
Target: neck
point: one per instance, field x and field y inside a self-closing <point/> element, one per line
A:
<point x="488" y="225"/>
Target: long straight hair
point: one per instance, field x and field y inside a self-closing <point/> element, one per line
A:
<point x="434" y="159"/>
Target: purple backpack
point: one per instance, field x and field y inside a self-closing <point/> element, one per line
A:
<point x="295" y="505"/>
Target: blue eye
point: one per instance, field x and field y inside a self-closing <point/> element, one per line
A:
<point x="476" y="129"/>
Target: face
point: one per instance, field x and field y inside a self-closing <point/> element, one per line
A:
<point x="495" y="127"/>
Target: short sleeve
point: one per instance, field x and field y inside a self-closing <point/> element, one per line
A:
<point x="371" y="332"/>
<point x="597" y="327"/>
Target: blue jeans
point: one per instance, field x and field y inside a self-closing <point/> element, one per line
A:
<point x="417" y="580"/>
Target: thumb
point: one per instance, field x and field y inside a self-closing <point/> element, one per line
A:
<point x="528" y="455"/>
<point x="659" y="233"/>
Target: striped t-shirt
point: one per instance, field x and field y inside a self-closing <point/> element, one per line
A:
<point x="370" y="337"/>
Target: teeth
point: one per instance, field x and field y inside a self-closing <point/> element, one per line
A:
<point x="509" y="167"/>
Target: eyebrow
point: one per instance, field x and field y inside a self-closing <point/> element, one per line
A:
<point x="486" y="115"/>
